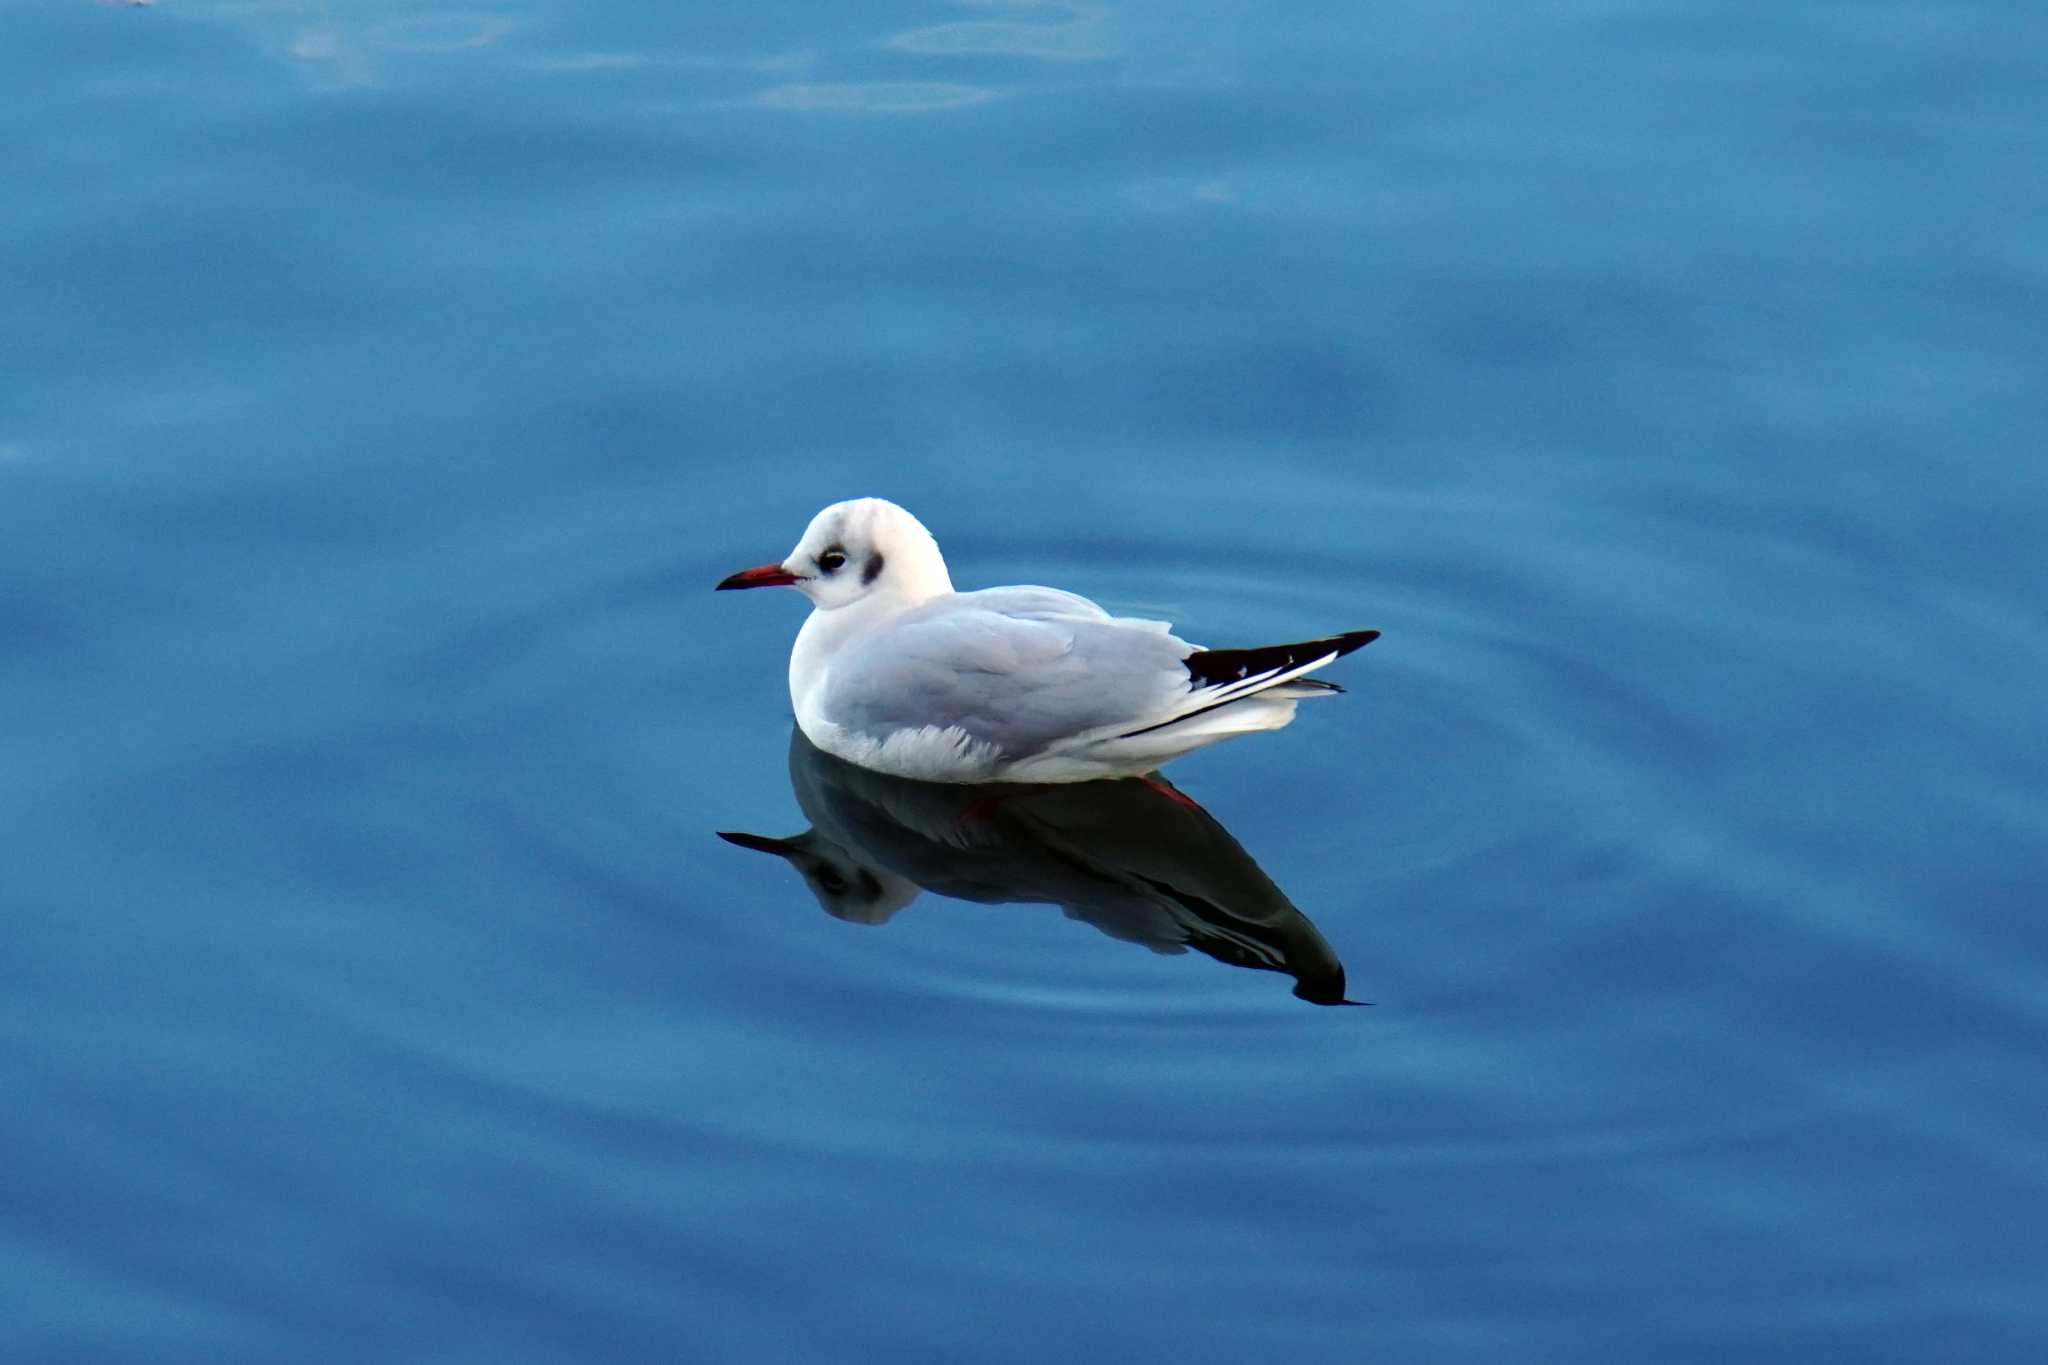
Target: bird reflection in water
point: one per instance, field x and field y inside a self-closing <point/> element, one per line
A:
<point x="1133" y="857"/>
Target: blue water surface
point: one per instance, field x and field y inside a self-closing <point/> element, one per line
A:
<point x="382" y="389"/>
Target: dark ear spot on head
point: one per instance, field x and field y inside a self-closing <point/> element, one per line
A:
<point x="872" y="569"/>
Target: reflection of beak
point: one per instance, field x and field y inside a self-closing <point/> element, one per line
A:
<point x="767" y="576"/>
<point x="760" y="843"/>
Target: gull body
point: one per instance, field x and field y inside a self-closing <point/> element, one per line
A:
<point x="897" y="672"/>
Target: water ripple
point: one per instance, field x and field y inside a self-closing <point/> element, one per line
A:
<point x="874" y="97"/>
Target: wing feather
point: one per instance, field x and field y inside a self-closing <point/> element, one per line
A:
<point x="1019" y="669"/>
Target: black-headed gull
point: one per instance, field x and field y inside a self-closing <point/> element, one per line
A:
<point x="897" y="672"/>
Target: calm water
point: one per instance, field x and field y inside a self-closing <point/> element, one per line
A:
<point x="384" y="388"/>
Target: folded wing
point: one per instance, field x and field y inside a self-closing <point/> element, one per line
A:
<point x="1019" y="669"/>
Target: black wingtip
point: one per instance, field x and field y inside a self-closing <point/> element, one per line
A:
<point x="1221" y="667"/>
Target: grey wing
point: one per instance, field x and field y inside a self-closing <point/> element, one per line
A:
<point x="1018" y="682"/>
<point x="1051" y="604"/>
<point x="1026" y="604"/>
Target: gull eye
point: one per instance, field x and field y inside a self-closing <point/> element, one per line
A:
<point x="832" y="559"/>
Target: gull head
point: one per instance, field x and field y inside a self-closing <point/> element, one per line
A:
<point x="856" y="551"/>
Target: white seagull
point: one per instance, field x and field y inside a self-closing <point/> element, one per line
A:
<point x="897" y="672"/>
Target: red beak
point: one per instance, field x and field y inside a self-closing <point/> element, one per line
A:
<point x="767" y="576"/>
